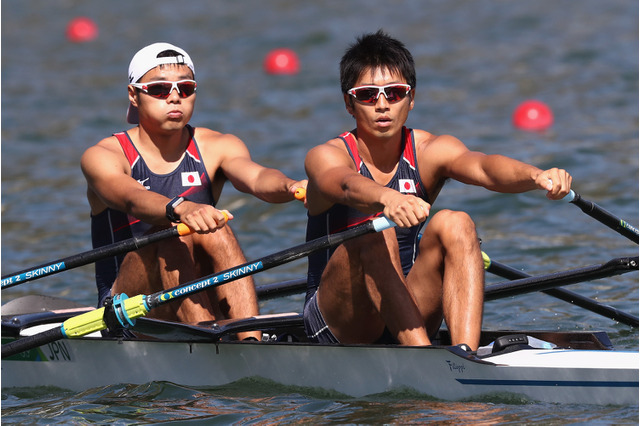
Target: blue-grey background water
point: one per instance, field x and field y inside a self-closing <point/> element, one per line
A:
<point x="476" y="60"/>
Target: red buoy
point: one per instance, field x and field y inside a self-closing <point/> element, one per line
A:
<point x="532" y="115"/>
<point x="81" y="30"/>
<point x="282" y="61"/>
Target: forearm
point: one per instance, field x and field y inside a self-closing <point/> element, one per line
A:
<point x="273" y="186"/>
<point x="148" y="206"/>
<point x="503" y="174"/>
<point x="362" y="194"/>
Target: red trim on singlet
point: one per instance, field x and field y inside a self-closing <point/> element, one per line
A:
<point x="353" y="145"/>
<point x="192" y="150"/>
<point x="409" y="152"/>
<point x="129" y="224"/>
<point x="352" y="223"/>
<point x="132" y="154"/>
<point x="127" y="146"/>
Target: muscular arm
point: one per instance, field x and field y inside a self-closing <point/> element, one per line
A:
<point x="245" y="175"/>
<point x="334" y="179"/>
<point x="495" y="172"/>
<point x="110" y="185"/>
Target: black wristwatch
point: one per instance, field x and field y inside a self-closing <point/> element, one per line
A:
<point x="171" y="205"/>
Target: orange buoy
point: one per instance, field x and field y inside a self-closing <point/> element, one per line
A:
<point x="533" y="115"/>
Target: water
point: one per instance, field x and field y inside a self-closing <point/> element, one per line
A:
<point x="476" y="60"/>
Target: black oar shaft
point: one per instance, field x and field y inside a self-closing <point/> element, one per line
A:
<point x="532" y="284"/>
<point x="603" y="216"/>
<point x="30" y="342"/>
<point x="285" y="288"/>
<point x="569" y="296"/>
<point x="90" y="256"/>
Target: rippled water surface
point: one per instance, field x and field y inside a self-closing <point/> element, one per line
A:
<point x="476" y="60"/>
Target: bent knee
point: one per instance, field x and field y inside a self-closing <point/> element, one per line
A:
<point x="454" y="226"/>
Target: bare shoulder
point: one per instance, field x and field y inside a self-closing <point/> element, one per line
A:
<point x="217" y="143"/>
<point x="430" y="141"/>
<point x="332" y="147"/>
<point x="330" y="152"/>
<point x="107" y="151"/>
<point x="429" y="145"/>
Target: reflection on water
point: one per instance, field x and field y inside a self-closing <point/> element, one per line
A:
<point x="265" y="402"/>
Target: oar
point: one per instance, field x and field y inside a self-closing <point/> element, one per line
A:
<point x="601" y="215"/>
<point x="510" y="273"/>
<point x="281" y="289"/>
<point x="91" y="256"/>
<point x="531" y="284"/>
<point x="124" y="311"/>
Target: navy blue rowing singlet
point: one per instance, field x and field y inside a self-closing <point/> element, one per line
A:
<point x="340" y="217"/>
<point x="189" y="179"/>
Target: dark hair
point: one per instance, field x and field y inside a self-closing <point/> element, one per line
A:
<point x="168" y="54"/>
<point x="376" y="50"/>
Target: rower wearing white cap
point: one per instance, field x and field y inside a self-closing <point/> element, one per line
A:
<point x="164" y="171"/>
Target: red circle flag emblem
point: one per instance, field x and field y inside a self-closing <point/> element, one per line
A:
<point x="407" y="186"/>
<point x="191" y="179"/>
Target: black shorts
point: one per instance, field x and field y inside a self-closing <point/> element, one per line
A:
<point x="316" y="328"/>
<point x="318" y="331"/>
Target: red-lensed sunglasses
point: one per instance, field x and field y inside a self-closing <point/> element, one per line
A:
<point x="370" y="94"/>
<point x="162" y="89"/>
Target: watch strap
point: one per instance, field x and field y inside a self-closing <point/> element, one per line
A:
<point x="170" y="208"/>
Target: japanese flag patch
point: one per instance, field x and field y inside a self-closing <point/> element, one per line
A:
<point x="191" y="179"/>
<point x="407" y="186"/>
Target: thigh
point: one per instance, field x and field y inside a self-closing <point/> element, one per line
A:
<point x="348" y="297"/>
<point x="162" y="266"/>
<point x="448" y="260"/>
<point x="218" y="252"/>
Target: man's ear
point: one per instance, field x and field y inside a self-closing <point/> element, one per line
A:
<point x="412" y="93"/>
<point x="133" y="95"/>
<point x="348" y="103"/>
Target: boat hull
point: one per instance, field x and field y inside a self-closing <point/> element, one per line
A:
<point x="447" y="373"/>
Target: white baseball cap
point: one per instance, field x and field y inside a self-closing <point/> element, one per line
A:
<point x="147" y="59"/>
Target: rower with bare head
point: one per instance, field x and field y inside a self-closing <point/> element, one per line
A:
<point x="164" y="171"/>
<point x="396" y="286"/>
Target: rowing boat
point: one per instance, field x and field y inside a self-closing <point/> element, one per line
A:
<point x="53" y="342"/>
<point x="563" y="367"/>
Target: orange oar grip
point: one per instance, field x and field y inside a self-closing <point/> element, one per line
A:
<point x="300" y="194"/>
<point x="226" y="215"/>
<point x="183" y="229"/>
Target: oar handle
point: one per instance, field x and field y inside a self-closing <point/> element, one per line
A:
<point x="622" y="227"/>
<point x="300" y="194"/>
<point x="183" y="229"/>
<point x="570" y="196"/>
